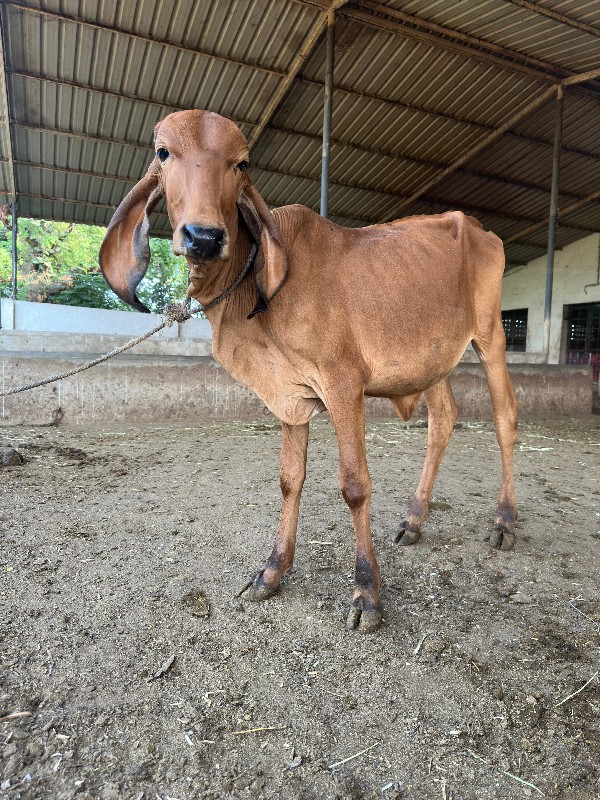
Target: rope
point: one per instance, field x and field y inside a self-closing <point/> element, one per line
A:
<point x="174" y="312"/>
<point x="237" y="281"/>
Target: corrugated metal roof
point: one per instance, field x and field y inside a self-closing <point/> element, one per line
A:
<point x="416" y="84"/>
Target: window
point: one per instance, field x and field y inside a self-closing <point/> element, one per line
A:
<point x="514" y="323"/>
<point x="583" y="336"/>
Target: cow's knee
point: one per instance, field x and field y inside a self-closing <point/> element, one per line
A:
<point x="356" y="491"/>
<point x="291" y="484"/>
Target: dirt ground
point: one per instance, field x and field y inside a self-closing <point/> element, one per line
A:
<point x="144" y="676"/>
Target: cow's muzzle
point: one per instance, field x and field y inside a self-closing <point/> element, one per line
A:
<point x="203" y="243"/>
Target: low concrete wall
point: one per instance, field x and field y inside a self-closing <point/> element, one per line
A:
<point x="85" y="329"/>
<point x="176" y="389"/>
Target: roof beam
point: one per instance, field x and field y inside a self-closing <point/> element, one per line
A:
<point x="111" y="207"/>
<point x="6" y="120"/>
<point x="442" y="115"/>
<point x="482" y="144"/>
<point x="562" y="212"/>
<point x="434" y="202"/>
<point x="551" y="74"/>
<point x="573" y="80"/>
<point x="399" y="157"/>
<point x="491" y="137"/>
<point x="151" y="101"/>
<point x="395" y="103"/>
<point x="537" y="8"/>
<point x="515" y="58"/>
<point x="146" y="148"/>
<point x="136" y="98"/>
<point x="413" y="27"/>
<point x="506" y="57"/>
<point x="301" y="56"/>
<point x="44" y="12"/>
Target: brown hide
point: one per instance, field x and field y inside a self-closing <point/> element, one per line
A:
<point x="385" y="310"/>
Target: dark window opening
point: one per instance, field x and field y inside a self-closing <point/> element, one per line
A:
<point x="583" y="336"/>
<point x="514" y="323"/>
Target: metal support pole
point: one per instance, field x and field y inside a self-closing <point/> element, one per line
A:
<point x="13" y="250"/>
<point x="327" y="106"/>
<point x="553" y="218"/>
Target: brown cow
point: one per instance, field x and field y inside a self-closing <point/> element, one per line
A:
<point x="332" y="314"/>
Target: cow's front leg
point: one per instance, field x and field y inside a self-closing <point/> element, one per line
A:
<point x="349" y="421"/>
<point x="294" y="444"/>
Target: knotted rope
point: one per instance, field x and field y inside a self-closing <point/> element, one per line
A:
<point x="173" y="312"/>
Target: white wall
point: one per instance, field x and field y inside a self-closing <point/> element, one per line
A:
<point x="22" y="316"/>
<point x="575" y="267"/>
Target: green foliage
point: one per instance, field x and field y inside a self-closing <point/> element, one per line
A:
<point x="167" y="278"/>
<point x="57" y="262"/>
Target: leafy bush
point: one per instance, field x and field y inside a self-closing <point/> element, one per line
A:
<point x="57" y="262"/>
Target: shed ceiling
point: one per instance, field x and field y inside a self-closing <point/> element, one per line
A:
<point x="417" y="85"/>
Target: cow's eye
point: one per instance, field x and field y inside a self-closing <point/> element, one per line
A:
<point x="242" y="165"/>
<point x="162" y="153"/>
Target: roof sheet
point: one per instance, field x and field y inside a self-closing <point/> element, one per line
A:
<point x="416" y="84"/>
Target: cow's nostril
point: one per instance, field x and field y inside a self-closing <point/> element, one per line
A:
<point x="203" y="242"/>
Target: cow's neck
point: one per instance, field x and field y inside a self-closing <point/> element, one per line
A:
<point x="212" y="279"/>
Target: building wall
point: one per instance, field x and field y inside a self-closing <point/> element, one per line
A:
<point x="576" y="280"/>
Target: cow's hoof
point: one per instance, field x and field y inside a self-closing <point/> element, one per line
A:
<point x="258" y="590"/>
<point x="363" y="620"/>
<point x="501" y="538"/>
<point x="256" y="594"/>
<point x="405" y="536"/>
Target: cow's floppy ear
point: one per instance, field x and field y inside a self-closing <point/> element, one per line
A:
<point x="125" y="251"/>
<point x="271" y="262"/>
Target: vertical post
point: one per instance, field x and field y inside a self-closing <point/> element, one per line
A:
<point x="13" y="250"/>
<point x="553" y="217"/>
<point x="327" y="106"/>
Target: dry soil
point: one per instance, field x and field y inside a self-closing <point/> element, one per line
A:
<point x="142" y="675"/>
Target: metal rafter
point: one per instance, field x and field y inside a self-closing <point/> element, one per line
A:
<point x="568" y="80"/>
<point x="60" y="15"/>
<point x="301" y="56"/>
<point x="88" y="87"/>
<point x="482" y="144"/>
<point x="111" y="207"/>
<point x="488" y="211"/>
<point x="433" y="202"/>
<point x="490" y="138"/>
<point x="537" y="8"/>
<point x="516" y="58"/>
<point x="369" y="151"/>
<point x="404" y="25"/>
<point x="346" y="90"/>
<point x="418" y="29"/>
<point x="562" y="212"/>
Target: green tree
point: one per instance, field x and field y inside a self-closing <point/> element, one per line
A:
<point x="58" y="263"/>
<point x="167" y="278"/>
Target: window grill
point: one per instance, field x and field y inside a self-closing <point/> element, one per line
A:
<point x="514" y="323"/>
<point x="583" y="336"/>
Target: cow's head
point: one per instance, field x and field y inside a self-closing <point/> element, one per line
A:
<point x="200" y="167"/>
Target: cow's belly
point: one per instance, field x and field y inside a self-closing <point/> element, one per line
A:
<point x="410" y="373"/>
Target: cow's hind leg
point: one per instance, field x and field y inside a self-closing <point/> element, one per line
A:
<point x="442" y="413"/>
<point x="294" y="444"/>
<point x="491" y="352"/>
